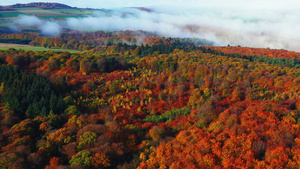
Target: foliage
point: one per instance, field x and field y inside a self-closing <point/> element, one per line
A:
<point x="164" y="103"/>
<point x="83" y="158"/>
<point x="27" y="93"/>
<point x="168" y="116"/>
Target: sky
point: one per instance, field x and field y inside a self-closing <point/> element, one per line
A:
<point x="217" y="4"/>
<point x="255" y="23"/>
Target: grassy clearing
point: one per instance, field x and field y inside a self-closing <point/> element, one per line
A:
<point x="50" y="13"/>
<point x="69" y="11"/>
<point x="9" y="14"/>
<point x="38" y="12"/>
<point x="27" y="9"/>
<point x="35" y="11"/>
<point x="7" y="17"/>
<point x="7" y="46"/>
<point x="62" y="13"/>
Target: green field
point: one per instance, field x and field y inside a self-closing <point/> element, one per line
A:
<point x="58" y="17"/>
<point x="50" y="13"/>
<point x="5" y="46"/>
<point x="39" y="49"/>
<point x="47" y="13"/>
<point x="7" y="17"/>
<point x="9" y="14"/>
<point x="71" y="11"/>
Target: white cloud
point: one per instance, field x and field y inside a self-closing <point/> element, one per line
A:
<point x="255" y="23"/>
<point x="48" y="28"/>
<point x="26" y="20"/>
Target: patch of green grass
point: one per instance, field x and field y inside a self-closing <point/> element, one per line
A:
<point x="33" y="48"/>
<point x="51" y="13"/>
<point x="59" y="17"/>
<point x="80" y="12"/>
<point x="69" y="11"/>
<point x="26" y="9"/>
<point x="9" y="14"/>
<point x="7" y="17"/>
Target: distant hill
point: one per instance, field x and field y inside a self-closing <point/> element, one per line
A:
<point x="54" y="11"/>
<point x="38" y="5"/>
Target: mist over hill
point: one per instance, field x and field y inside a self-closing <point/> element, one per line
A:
<point x="246" y="27"/>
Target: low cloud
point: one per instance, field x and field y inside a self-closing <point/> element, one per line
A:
<point x="47" y="28"/>
<point x="271" y="24"/>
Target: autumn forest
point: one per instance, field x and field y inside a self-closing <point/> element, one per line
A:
<point x="156" y="103"/>
<point x="135" y="99"/>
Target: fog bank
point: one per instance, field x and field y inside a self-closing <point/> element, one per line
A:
<point x="270" y="24"/>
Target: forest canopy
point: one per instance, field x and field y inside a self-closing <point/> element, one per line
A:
<point x="123" y="102"/>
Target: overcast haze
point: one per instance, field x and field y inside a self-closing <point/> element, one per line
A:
<point x="256" y="23"/>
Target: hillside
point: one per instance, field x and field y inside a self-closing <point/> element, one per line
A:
<point x="44" y="11"/>
<point x="103" y="96"/>
<point x="165" y="102"/>
<point x="39" y="5"/>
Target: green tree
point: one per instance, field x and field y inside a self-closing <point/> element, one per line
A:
<point x="83" y="158"/>
<point x="114" y="88"/>
<point x="72" y="110"/>
<point x="88" y="138"/>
